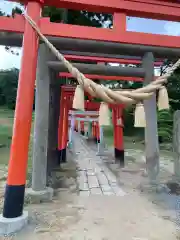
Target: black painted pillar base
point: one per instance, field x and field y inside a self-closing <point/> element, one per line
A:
<point x="82" y="133"/>
<point x="14" y="201"/>
<point x="119" y="156"/>
<point x="62" y="155"/>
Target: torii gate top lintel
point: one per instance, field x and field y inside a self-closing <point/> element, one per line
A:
<point x="120" y="9"/>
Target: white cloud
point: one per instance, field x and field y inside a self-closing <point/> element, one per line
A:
<point x="172" y="28"/>
<point x="7" y="6"/>
<point x="9" y="60"/>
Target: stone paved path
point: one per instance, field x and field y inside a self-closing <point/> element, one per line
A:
<point x="94" y="177"/>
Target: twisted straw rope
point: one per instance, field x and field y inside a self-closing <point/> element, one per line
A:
<point x="102" y="92"/>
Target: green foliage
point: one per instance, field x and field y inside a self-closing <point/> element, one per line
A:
<point x="5" y="135"/>
<point x="2" y="13"/>
<point x="76" y="17"/>
<point x="8" y="87"/>
<point x="173" y="87"/>
<point x="165" y="125"/>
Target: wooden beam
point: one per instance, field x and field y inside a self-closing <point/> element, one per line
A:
<point x="156" y="9"/>
<point x="89" y="39"/>
<point x="87" y="113"/>
<point x="56" y="30"/>
<point x="151" y="129"/>
<point x="85" y="119"/>
<point x="107" y="60"/>
<point x="99" y="69"/>
<point x="104" y="77"/>
<point x="9" y="24"/>
<point x="105" y="55"/>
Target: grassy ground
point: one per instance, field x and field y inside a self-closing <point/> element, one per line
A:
<point x="134" y="142"/>
<point x="130" y="142"/>
<point x="6" y="125"/>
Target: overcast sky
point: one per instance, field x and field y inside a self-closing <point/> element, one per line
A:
<point x="7" y="60"/>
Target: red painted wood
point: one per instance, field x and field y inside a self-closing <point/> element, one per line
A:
<point x="115" y="78"/>
<point x="107" y="60"/>
<point x="92" y="33"/>
<point x="65" y="125"/>
<point x="157" y="10"/>
<point x="60" y="125"/>
<point x="118" y="130"/>
<point x="9" y="24"/>
<point x="24" y="103"/>
<point x="119" y="22"/>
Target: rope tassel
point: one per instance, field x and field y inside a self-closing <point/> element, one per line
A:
<point x="104" y="115"/>
<point x="163" y="99"/>
<point x="78" y="101"/>
<point x="139" y="116"/>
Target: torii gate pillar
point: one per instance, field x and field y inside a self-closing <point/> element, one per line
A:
<point x="13" y="218"/>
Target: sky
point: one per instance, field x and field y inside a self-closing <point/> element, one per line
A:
<point x="7" y="60"/>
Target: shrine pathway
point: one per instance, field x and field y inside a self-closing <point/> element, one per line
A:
<point x="101" y="210"/>
<point x="93" y="176"/>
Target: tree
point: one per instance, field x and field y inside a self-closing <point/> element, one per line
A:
<point x="165" y="125"/>
<point x="2" y="13"/>
<point x="173" y="86"/>
<point x="8" y="87"/>
<point x="77" y="17"/>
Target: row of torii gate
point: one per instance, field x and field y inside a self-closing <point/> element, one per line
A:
<point x="77" y="119"/>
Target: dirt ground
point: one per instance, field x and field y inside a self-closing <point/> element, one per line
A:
<point x="139" y="215"/>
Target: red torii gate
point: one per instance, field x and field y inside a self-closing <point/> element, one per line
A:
<point x="117" y="38"/>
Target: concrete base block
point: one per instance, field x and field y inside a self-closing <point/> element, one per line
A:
<point x="100" y="151"/>
<point x="39" y="196"/>
<point x="9" y="226"/>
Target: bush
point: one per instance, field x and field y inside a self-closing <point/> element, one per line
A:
<point x="5" y="136"/>
<point x="8" y="87"/>
<point x="165" y="125"/>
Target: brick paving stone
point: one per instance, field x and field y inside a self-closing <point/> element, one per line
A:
<point x="108" y="193"/>
<point x="113" y="184"/>
<point x="97" y="170"/>
<point x="111" y="178"/>
<point x="83" y="186"/>
<point x="93" y="182"/>
<point x="90" y="172"/>
<point x="96" y="191"/>
<point x="84" y="193"/>
<point x="93" y="176"/>
<point x="82" y="178"/>
<point x="106" y="188"/>
<point x="102" y="179"/>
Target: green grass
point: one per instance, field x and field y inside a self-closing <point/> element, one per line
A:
<point x="128" y="141"/>
<point x="132" y="142"/>
<point x="6" y="125"/>
<point x="108" y="135"/>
